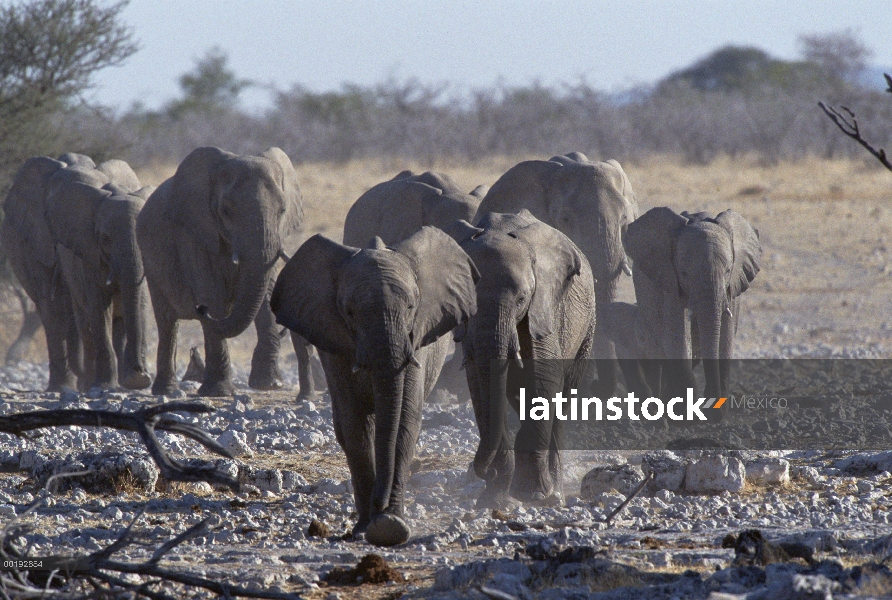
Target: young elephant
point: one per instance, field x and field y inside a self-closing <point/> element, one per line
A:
<point x="534" y="301"/>
<point x="210" y="238"/>
<point x="690" y="269"/>
<point x="379" y="317"/>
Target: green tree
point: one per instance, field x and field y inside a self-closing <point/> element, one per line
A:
<point x="49" y="52"/>
<point x="210" y="87"/>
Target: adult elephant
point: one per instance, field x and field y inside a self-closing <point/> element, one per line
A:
<point x="73" y="274"/>
<point x="379" y="317"/>
<point x="210" y="238"/>
<point x="534" y="301"/>
<point x="592" y="203"/>
<point x="395" y="209"/>
<point x="92" y="216"/>
<point x="690" y="270"/>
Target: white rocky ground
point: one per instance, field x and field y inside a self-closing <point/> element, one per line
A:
<point x="665" y="544"/>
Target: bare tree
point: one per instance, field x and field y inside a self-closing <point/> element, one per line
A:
<point x="848" y="124"/>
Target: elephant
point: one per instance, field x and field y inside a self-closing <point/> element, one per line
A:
<point x="534" y="301"/>
<point x="395" y="209"/>
<point x="690" y="270"/>
<point x="70" y="235"/>
<point x="592" y="203"/>
<point x="210" y="237"/>
<point x="638" y="349"/>
<point x="379" y="318"/>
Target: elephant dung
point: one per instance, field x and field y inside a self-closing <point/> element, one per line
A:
<point x="768" y="470"/>
<point x="604" y="479"/>
<point x="715" y="473"/>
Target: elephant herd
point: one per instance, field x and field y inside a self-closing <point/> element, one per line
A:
<point x="526" y="269"/>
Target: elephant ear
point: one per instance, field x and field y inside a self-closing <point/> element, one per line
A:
<point x="72" y="210"/>
<point x="304" y="298"/>
<point x="747" y="251"/>
<point x="650" y="243"/>
<point x="294" y="208"/>
<point x="447" y="280"/>
<point x="25" y="205"/>
<point x="189" y="199"/>
<point x="120" y="175"/>
<point x="556" y="262"/>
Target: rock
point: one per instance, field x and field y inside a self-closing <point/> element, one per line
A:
<point x="310" y="438"/>
<point x="69" y="396"/>
<point x="30" y="460"/>
<point x="668" y="469"/>
<point x="318" y="529"/>
<point x="292" y="480"/>
<point x="94" y="393"/>
<point x="715" y="473"/>
<point x="265" y="480"/>
<point x="235" y="442"/>
<point x="145" y="471"/>
<point x="768" y="471"/>
<point x="605" y="479"/>
<point x="7" y="510"/>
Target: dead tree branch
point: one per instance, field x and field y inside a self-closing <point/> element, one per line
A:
<point x="634" y="493"/>
<point x="145" y="422"/>
<point x="848" y="124"/>
<point x="96" y="569"/>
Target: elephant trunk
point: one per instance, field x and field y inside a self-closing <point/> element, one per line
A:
<point x="388" y="390"/>
<point x="127" y="272"/>
<point x="253" y="282"/>
<point x="495" y="341"/>
<point x="708" y="313"/>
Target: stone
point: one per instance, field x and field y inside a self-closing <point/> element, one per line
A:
<point x="145" y="471"/>
<point x="265" y="480"/>
<point x="235" y="442"/>
<point x="768" y="471"/>
<point x="668" y="469"/>
<point x="605" y="479"/>
<point x="715" y="473"/>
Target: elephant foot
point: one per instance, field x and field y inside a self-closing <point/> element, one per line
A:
<point x="308" y="396"/>
<point x="387" y="530"/>
<point x="496" y="499"/>
<point x="265" y="380"/>
<point x="555" y="500"/>
<point x="136" y="380"/>
<point x="216" y="389"/>
<point x="62" y="383"/>
<point x="358" y="532"/>
<point x="532" y="480"/>
<point x="160" y="388"/>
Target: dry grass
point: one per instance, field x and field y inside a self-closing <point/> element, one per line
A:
<point x="826" y="227"/>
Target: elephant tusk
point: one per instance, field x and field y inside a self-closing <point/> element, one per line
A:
<point x="283" y="256"/>
<point x="728" y="310"/>
<point x="414" y="361"/>
<point x="356" y="367"/>
<point x="626" y="268"/>
<point x="235" y="258"/>
<point x="518" y="360"/>
<point x="109" y="280"/>
<point x="283" y="333"/>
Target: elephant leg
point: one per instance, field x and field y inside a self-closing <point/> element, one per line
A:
<point x="30" y="324"/>
<point x="217" y="368"/>
<point x="57" y="327"/>
<point x="166" y="380"/>
<point x="652" y="369"/>
<point x="354" y="427"/>
<point x="533" y="445"/>
<point x="636" y="380"/>
<point x="105" y="364"/>
<point x="265" y="374"/>
<point x="304" y="373"/>
<point x="119" y="336"/>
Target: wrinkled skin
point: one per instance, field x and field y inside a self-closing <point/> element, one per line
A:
<point x="534" y="301"/>
<point x="638" y="350"/>
<point x="395" y="209"/>
<point x="379" y="318"/>
<point x="210" y="238"/>
<point x="592" y="203"/>
<point x="70" y="234"/>
<point x="690" y="270"/>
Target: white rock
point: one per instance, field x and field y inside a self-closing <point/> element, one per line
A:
<point x="668" y="468"/>
<point x="30" y="459"/>
<point x="266" y="480"/>
<point x="768" y="470"/>
<point x="145" y="471"/>
<point x="7" y="510"/>
<point x="310" y="438"/>
<point x="712" y="474"/>
<point x="235" y="442"/>
<point x="604" y="479"/>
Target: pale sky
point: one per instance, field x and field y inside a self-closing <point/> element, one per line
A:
<point x="321" y="44"/>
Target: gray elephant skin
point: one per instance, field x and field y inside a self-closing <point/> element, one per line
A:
<point x="378" y="317"/>
<point x="534" y="301"/>
<point x="690" y="270"/>
<point x="592" y="203"/>
<point x="210" y="238"/>
<point x="395" y="209"/>
<point x="639" y="349"/>
<point x="70" y="234"/>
